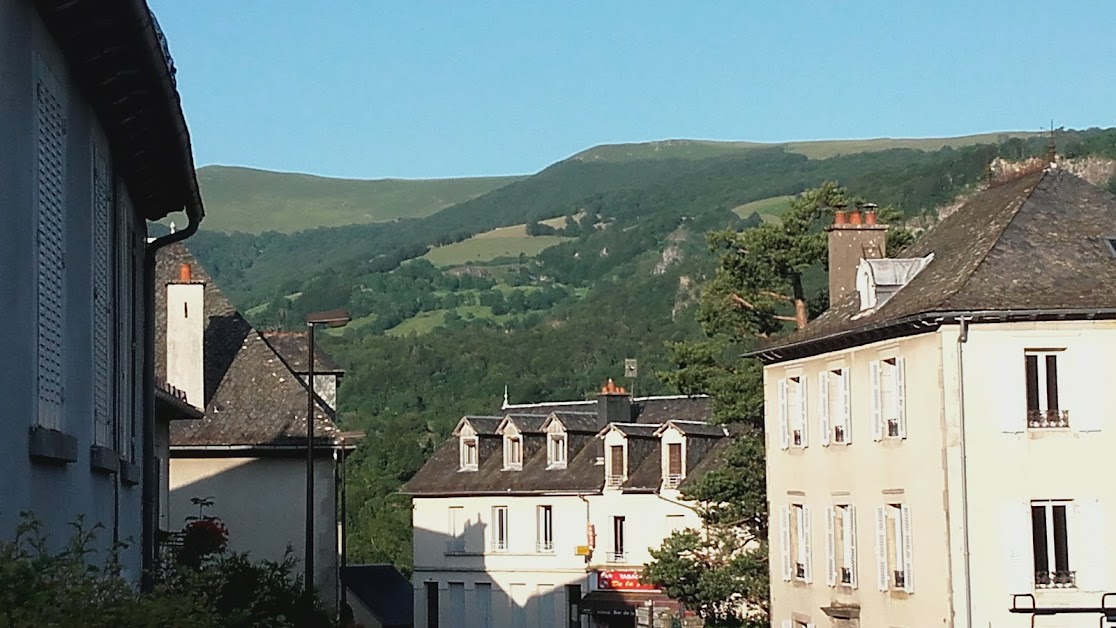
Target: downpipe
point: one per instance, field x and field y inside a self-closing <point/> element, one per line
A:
<point x="962" y="338"/>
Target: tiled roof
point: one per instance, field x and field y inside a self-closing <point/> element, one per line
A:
<point x="252" y="398"/>
<point x="584" y="471"/>
<point x="294" y="346"/>
<point x="1031" y="246"/>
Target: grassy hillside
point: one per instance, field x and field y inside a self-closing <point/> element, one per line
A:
<point x="253" y="201"/>
<point x="705" y="149"/>
<point x="494" y="244"/>
<point x="765" y="207"/>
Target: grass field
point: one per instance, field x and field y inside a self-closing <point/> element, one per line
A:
<point x="244" y="199"/>
<point x="765" y="207"/>
<point x="490" y="245"/>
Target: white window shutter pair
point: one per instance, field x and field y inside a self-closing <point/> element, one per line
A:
<point x="845" y="401"/>
<point x="823" y="407"/>
<point x="908" y="550"/>
<point x="1092" y="570"/>
<point x="784" y="532"/>
<point x="803" y="410"/>
<point x="882" y="576"/>
<point x="901" y="395"/>
<point x="784" y="434"/>
<point x="876" y="398"/>
<point x="830" y="548"/>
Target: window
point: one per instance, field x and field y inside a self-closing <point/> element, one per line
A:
<point x="556" y="450"/>
<point x="513" y="452"/>
<point x="482" y="595"/>
<point x="544" y="543"/>
<point x="456" y="543"/>
<point x="573" y="600"/>
<point x="432" y="604"/>
<point x="674" y="465"/>
<point x="615" y="465"/>
<point x="893" y="548"/>
<point x="1050" y="539"/>
<point x="50" y="242"/>
<point x="797" y="411"/>
<point x="1043" y="407"/>
<point x="103" y="295"/>
<point x="500" y="529"/>
<point x="129" y="323"/>
<point x="796" y="543"/>
<point x="833" y="407"/>
<point x="469" y="453"/>
<point x="888" y="388"/>
<point x="617" y="554"/>
<point x="841" y="545"/>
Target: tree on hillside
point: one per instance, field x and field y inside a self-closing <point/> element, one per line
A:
<point x="758" y="291"/>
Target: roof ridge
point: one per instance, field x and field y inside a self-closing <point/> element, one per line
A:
<point x="984" y="256"/>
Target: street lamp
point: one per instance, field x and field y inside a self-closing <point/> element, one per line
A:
<point x="331" y="318"/>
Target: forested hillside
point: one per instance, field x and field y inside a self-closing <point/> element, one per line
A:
<point x="618" y="279"/>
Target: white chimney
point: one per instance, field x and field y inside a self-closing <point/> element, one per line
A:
<point x="185" y="334"/>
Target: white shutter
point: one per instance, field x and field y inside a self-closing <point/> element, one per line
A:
<point x="787" y="623"/>
<point x="1083" y="394"/>
<point x="804" y="409"/>
<point x="823" y="406"/>
<point x="1016" y="531"/>
<point x="830" y="548"/>
<point x="901" y="395"/>
<point x="875" y="394"/>
<point x="1090" y="551"/>
<point x="1013" y="407"/>
<point x="784" y="435"/>
<point x="850" y="530"/>
<point x="846" y="403"/>
<point x="806" y="544"/>
<point x="50" y="241"/>
<point x="784" y="532"/>
<point x="882" y="576"/>
<point x="908" y="551"/>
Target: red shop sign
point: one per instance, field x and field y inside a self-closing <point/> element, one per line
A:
<point x="621" y="580"/>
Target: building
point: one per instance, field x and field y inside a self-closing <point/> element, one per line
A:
<point x="247" y="454"/>
<point x="933" y="438"/>
<point x="94" y="145"/>
<point x="543" y="514"/>
<point x="379" y="595"/>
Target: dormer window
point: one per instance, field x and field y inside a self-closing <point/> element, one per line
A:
<point x="616" y="468"/>
<point x="877" y="280"/>
<point x="469" y="453"/>
<point x="674" y="471"/>
<point x="556" y="451"/>
<point x="513" y="451"/>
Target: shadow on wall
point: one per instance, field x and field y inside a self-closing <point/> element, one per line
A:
<point x="453" y="584"/>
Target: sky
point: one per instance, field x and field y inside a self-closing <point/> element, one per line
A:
<point x="449" y="88"/>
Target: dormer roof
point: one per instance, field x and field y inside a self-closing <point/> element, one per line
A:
<point x="629" y="430"/>
<point x="693" y="428"/>
<point x="573" y="421"/>
<point x="524" y="423"/>
<point x="481" y="425"/>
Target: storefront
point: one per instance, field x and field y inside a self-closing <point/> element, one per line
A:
<point x="619" y="599"/>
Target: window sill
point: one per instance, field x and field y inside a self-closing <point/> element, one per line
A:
<point x="513" y="467"/>
<point x="466" y="469"/>
<point x="104" y="459"/>
<point x="130" y="474"/>
<point x="52" y="446"/>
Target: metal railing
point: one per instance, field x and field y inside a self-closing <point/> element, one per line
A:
<point x="1047" y="418"/>
<point x="544" y="547"/>
<point x="617" y="557"/>
<point x="499" y="546"/>
<point x="672" y="480"/>
<point x="614" y="481"/>
<point x="1055" y="579"/>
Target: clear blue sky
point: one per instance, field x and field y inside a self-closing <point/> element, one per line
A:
<point x="417" y="89"/>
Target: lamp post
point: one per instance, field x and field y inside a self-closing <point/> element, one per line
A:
<point x="331" y="318"/>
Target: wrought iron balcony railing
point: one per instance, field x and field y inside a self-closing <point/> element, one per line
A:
<point x="1055" y="579"/>
<point x="1047" y="418"/>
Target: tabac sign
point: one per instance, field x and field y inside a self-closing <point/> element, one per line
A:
<point x="621" y="580"/>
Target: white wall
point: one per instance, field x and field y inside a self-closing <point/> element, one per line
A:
<point x="55" y="493"/>
<point x="262" y="501"/>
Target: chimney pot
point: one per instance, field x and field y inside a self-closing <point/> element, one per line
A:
<point x="854" y="217"/>
<point x="184" y="273"/>
<point x="869" y="216"/>
<point x="840" y="217"/>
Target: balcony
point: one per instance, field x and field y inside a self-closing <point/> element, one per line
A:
<point x="617" y="557"/>
<point x="1039" y="419"/>
<point x="1055" y="579"/>
<point x="672" y="480"/>
<point x="614" y="481"/>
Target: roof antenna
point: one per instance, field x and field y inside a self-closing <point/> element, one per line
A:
<point x="506" y="404"/>
<point x="1052" y="148"/>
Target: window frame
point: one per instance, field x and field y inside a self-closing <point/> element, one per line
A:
<point x="544" y="525"/>
<point x="556" y="443"/>
<point x="843" y="549"/>
<point x="798" y="411"/>
<point x="1040" y="394"/>
<point x="1053" y="578"/>
<point x="469" y="444"/>
<point x="619" y="552"/>
<point x="500" y="529"/>
<point x="513" y="451"/>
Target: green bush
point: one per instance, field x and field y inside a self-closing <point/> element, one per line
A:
<point x="74" y="586"/>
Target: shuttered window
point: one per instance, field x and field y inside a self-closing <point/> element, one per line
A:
<point x="894" y="549"/>
<point x="797" y="408"/>
<point x="784" y="426"/>
<point x="616" y="461"/>
<point x="1044" y="408"/>
<point x="1050" y="541"/>
<point x="800" y="543"/>
<point x="500" y="529"/>
<point x="50" y="242"/>
<point x="674" y="458"/>
<point x="841" y="545"/>
<point x="103" y="296"/>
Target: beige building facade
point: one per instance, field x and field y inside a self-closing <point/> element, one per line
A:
<point x="934" y="467"/>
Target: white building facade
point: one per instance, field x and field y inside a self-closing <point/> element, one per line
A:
<point x="931" y="453"/>
<point x="545" y="516"/>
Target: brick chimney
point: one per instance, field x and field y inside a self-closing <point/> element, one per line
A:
<point x="185" y="334"/>
<point x="614" y="405"/>
<point x="853" y="236"/>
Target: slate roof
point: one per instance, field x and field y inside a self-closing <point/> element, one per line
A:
<point x="482" y="425"/>
<point x="584" y="471"/>
<point x="1032" y="246"/>
<point x="694" y="428"/>
<point x="294" y="346"/>
<point x="385" y="592"/>
<point x="251" y="397"/>
<point x="657" y="409"/>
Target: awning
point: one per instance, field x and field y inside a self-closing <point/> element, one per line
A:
<point x="603" y="602"/>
